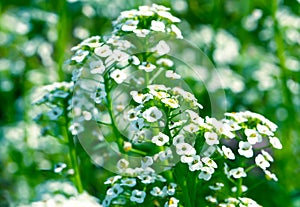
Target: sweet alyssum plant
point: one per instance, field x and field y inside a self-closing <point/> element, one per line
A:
<point x="127" y="104"/>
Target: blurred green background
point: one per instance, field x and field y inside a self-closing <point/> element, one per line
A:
<point x="254" y="44"/>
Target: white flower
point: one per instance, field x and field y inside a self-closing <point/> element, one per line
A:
<point x="146" y="179"/>
<point x="206" y="173"/>
<point x="172" y="75"/>
<point x="170" y="189"/>
<point x="146" y="66"/>
<point x="186" y="158"/>
<point x="97" y="67"/>
<point x="161" y="48"/>
<point x="146" y="162"/>
<point x="80" y="55"/>
<point x="122" y="164"/>
<point x="113" y="179"/>
<point x="172" y="103"/>
<point x="140" y="97"/>
<point x="103" y="51"/>
<point x="141" y="32"/>
<point x="76" y="128"/>
<point x="264" y="130"/>
<point x="196" y="163"/>
<point x="209" y="162"/>
<point x="195" y="118"/>
<point x="156" y="191"/>
<point x="157" y="26"/>
<point x="228" y="153"/>
<point x="169" y="16"/>
<point x="152" y="114"/>
<point x="173" y="202"/>
<point x="176" y="31"/>
<point x="137" y="196"/>
<point x="118" y="75"/>
<point x="114" y="191"/>
<point x="261" y="162"/>
<point x="132" y="114"/>
<point x="134" y="60"/>
<point x="211" y="199"/>
<point x="245" y="149"/>
<point x="270" y="176"/>
<point x="137" y="124"/>
<point x="130" y="182"/>
<point x="275" y="142"/>
<point x="217" y="186"/>
<point x="211" y="138"/>
<point x="165" y="62"/>
<point x="55" y="113"/>
<point x="159" y="94"/>
<point x="267" y="156"/>
<point x="191" y="128"/>
<point x="253" y="136"/>
<point x="160" y="139"/>
<point x="185" y="149"/>
<point x="178" y="139"/>
<point x="130" y="25"/>
<point x="237" y="172"/>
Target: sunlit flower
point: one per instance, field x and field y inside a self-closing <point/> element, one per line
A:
<point x="209" y="162"/>
<point x="253" y="136"/>
<point x="152" y="114"/>
<point x="137" y="196"/>
<point x="118" y="75"/>
<point x="103" y="51"/>
<point x="130" y="182"/>
<point x="172" y="103"/>
<point x="157" y="26"/>
<point x="275" y="142"/>
<point x="97" y="67"/>
<point x="245" y="149"/>
<point x="176" y="31"/>
<point x="211" y="138"/>
<point x="196" y="163"/>
<point x="185" y="149"/>
<point x="191" y="128"/>
<point x="261" y="162"/>
<point x="173" y="202"/>
<point x="237" y="173"/>
<point x="113" y="179"/>
<point x="130" y="25"/>
<point x="168" y="15"/>
<point x="264" y="130"/>
<point x="157" y="192"/>
<point x="160" y="139"/>
<point x="178" y="139"/>
<point x="166" y="62"/>
<point x="141" y="32"/>
<point x="228" y="153"/>
<point x="172" y="75"/>
<point x="146" y="66"/>
<point x="267" y="156"/>
<point x="206" y="173"/>
<point x="140" y="97"/>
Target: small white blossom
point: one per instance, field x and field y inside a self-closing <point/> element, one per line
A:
<point x="140" y="97"/>
<point x="178" y="139"/>
<point x="152" y="114"/>
<point x="165" y="62"/>
<point x="245" y="149"/>
<point x="176" y="31"/>
<point x="161" y="48"/>
<point x="244" y="189"/>
<point x="130" y="182"/>
<point x="160" y="139"/>
<point x="146" y="66"/>
<point x="118" y="75"/>
<point x="172" y="75"/>
<point x="237" y="173"/>
<point x="270" y="176"/>
<point x="130" y="25"/>
<point x="97" y="67"/>
<point x="206" y="173"/>
<point x="137" y="196"/>
<point x="173" y="202"/>
<point x="211" y="138"/>
<point x="113" y="179"/>
<point x="169" y="16"/>
<point x="185" y="149"/>
<point x="157" y="192"/>
<point x="172" y="103"/>
<point x="267" y="156"/>
<point x="157" y="26"/>
<point x="228" y="153"/>
<point x="209" y="162"/>
<point x="275" y="142"/>
<point x="191" y="128"/>
<point x="253" y="136"/>
<point x="196" y="163"/>
<point x="141" y="32"/>
<point x="261" y="162"/>
<point x="103" y="51"/>
<point x="211" y="199"/>
<point x="217" y="186"/>
<point x="264" y="130"/>
<point x="114" y="191"/>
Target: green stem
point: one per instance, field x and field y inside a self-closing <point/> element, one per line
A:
<point x="187" y="200"/>
<point x="73" y="155"/>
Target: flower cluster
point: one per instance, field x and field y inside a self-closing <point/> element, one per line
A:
<point x="138" y="100"/>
